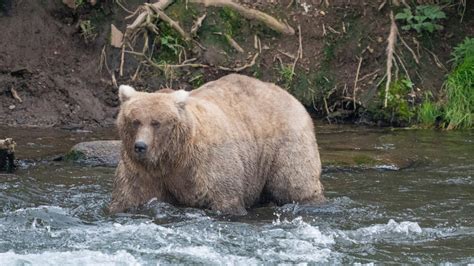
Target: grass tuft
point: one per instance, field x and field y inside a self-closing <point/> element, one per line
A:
<point x="460" y="92"/>
<point x="428" y="113"/>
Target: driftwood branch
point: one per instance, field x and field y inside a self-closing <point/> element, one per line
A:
<point x="250" y="13"/>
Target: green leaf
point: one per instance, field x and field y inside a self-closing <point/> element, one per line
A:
<point x="420" y="19"/>
<point x="401" y="16"/>
<point x="428" y="26"/>
<point x="407" y="83"/>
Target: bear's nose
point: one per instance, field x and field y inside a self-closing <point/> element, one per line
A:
<point x="140" y="147"/>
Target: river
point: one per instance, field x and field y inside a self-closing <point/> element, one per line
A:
<point x="394" y="196"/>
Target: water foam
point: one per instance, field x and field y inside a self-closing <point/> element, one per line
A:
<point x="392" y="230"/>
<point x="295" y="241"/>
<point x="205" y="254"/>
<point x="80" y="257"/>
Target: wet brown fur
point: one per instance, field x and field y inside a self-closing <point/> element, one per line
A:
<point x="231" y="141"/>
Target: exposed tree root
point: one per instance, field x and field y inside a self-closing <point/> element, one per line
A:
<point x="15" y="95"/>
<point x="146" y="19"/>
<point x="238" y="69"/>
<point x="354" y="91"/>
<point x="197" y="24"/>
<point x="231" y="42"/>
<point x="175" y="25"/>
<point x="392" y="39"/>
<point x="299" y="53"/>
<point x="187" y="63"/>
<point x="142" y="17"/>
<point x="409" y="49"/>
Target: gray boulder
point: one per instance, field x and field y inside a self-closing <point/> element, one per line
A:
<point x="96" y="153"/>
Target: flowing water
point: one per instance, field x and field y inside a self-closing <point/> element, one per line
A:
<point x="419" y="209"/>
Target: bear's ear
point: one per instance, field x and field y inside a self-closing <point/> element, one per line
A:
<point x="181" y="96"/>
<point x="126" y="92"/>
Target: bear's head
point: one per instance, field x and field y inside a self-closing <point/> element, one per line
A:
<point x="153" y="126"/>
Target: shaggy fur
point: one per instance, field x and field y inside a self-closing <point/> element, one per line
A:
<point x="225" y="146"/>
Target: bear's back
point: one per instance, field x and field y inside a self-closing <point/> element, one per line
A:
<point x="259" y="104"/>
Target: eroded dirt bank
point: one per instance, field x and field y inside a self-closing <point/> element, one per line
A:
<point x="54" y="73"/>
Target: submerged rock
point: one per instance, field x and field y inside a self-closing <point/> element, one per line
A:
<point x="96" y="153"/>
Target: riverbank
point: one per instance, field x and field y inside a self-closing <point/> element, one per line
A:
<point x="58" y="68"/>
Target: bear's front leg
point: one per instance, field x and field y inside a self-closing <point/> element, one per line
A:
<point x="132" y="188"/>
<point x="232" y="206"/>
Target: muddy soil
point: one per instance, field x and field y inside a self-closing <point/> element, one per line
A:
<point x="53" y="71"/>
<point x="62" y="82"/>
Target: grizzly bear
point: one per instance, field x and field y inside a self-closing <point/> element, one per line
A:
<point x="225" y="146"/>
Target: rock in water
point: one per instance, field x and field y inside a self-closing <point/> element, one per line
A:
<point x="96" y="153"/>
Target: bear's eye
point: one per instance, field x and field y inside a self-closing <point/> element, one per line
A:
<point x="155" y="123"/>
<point x="136" y="123"/>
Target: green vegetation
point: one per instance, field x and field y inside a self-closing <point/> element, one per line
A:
<point x="170" y="45"/>
<point x="219" y="23"/>
<point x="428" y="113"/>
<point x="363" y="159"/>
<point x="456" y="109"/>
<point x="425" y="18"/>
<point x="400" y="110"/>
<point x="231" y="20"/>
<point x="286" y="75"/>
<point x="87" y="30"/>
<point x="304" y="88"/>
<point x="310" y="88"/>
<point x="453" y="111"/>
<point x="460" y="87"/>
<point x="398" y="106"/>
<point x="79" y="3"/>
<point x="463" y="51"/>
<point x="197" y="80"/>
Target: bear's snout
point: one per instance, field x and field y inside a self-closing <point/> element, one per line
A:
<point x="140" y="147"/>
